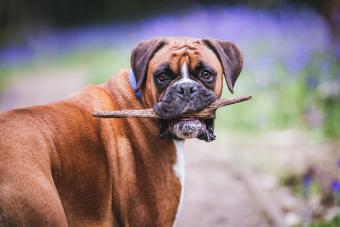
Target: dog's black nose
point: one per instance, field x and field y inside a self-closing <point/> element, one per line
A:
<point x="187" y="89"/>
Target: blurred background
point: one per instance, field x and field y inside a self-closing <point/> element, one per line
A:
<point x="276" y="160"/>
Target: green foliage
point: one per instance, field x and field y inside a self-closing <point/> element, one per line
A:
<point x="4" y="74"/>
<point x="331" y="126"/>
<point x="334" y="222"/>
<point x="295" y="182"/>
<point x="277" y="106"/>
<point x="100" y="65"/>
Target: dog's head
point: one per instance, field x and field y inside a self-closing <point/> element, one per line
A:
<point x="181" y="75"/>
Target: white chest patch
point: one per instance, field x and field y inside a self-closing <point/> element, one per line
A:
<point x="179" y="168"/>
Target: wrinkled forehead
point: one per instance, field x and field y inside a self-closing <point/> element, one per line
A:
<point x="190" y="51"/>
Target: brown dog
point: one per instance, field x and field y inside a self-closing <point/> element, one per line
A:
<point x="60" y="166"/>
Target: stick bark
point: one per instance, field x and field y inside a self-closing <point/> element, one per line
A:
<point x="207" y="112"/>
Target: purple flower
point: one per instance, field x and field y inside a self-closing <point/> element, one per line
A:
<point x="307" y="180"/>
<point x="335" y="186"/>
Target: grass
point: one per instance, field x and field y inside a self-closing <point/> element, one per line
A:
<point x="99" y="64"/>
<point x="334" y="222"/>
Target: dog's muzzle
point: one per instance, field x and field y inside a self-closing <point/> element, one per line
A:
<point x="183" y="97"/>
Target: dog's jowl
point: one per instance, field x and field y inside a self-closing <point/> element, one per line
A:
<point x="59" y="166"/>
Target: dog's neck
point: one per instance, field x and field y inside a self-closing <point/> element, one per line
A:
<point x="152" y="169"/>
<point x="179" y="167"/>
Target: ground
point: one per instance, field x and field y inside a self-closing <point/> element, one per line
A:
<point x="214" y="195"/>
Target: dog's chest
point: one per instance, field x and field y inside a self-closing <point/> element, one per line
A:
<point x="179" y="169"/>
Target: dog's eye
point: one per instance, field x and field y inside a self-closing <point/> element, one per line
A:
<point x="163" y="77"/>
<point x="207" y="76"/>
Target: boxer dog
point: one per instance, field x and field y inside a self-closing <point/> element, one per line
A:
<point x="59" y="166"/>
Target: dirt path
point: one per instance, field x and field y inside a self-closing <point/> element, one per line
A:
<point x="214" y="195"/>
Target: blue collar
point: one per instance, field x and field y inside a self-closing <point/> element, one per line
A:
<point x="133" y="83"/>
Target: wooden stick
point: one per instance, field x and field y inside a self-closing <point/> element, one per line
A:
<point x="149" y="113"/>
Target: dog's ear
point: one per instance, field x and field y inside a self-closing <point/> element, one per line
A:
<point x="230" y="57"/>
<point x="141" y="56"/>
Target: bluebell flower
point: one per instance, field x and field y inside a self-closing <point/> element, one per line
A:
<point x="307" y="180"/>
<point x="335" y="186"/>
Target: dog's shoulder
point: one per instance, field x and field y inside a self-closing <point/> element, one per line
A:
<point x="107" y="96"/>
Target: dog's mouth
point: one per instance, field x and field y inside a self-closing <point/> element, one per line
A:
<point x="178" y="102"/>
<point x="187" y="128"/>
